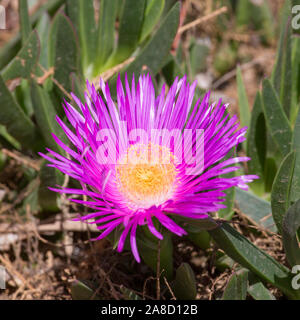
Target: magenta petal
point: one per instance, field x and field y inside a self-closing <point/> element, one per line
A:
<point x="133" y="242"/>
<point x="123" y="236"/>
<point x="153" y="230"/>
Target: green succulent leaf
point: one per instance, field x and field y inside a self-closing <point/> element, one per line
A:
<point x="7" y="141"/>
<point x="131" y="22"/>
<point x="43" y="29"/>
<point x="202" y="224"/>
<point x="82" y="15"/>
<point x="25" y="25"/>
<point x="184" y="285"/>
<point x="257" y="144"/>
<point x="282" y="74"/>
<point x="280" y="196"/>
<point x="82" y="291"/>
<point x="150" y="56"/>
<point x="201" y="239"/>
<point x="63" y="55"/>
<point x="290" y="226"/>
<point x="236" y="288"/>
<point x="172" y="69"/>
<point x="199" y="52"/>
<point x="276" y="119"/>
<point x="153" y="12"/>
<point x="295" y="78"/>
<point x="255" y="208"/>
<point x="11" y="48"/>
<point x="243" y="100"/>
<point x="224" y="262"/>
<point x="270" y="172"/>
<point x="45" y="114"/>
<point x="17" y="123"/>
<point x="49" y="200"/>
<point x="31" y="200"/>
<point x="240" y="249"/>
<point x="24" y="63"/>
<point x="257" y="290"/>
<point x="148" y="246"/>
<point x="106" y="33"/>
<point x="295" y="191"/>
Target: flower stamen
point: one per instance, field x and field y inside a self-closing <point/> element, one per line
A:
<point x="146" y="175"/>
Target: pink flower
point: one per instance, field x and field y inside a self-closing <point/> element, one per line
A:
<point x="147" y="157"/>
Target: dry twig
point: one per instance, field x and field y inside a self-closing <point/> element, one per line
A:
<point x="202" y="19"/>
<point x="21" y="159"/>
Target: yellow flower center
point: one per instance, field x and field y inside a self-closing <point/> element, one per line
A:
<point x="146" y="175"/>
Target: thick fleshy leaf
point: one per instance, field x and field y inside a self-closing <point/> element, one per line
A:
<point x="270" y="172"/>
<point x="45" y="114"/>
<point x="25" y="25"/>
<point x="280" y="196"/>
<point x="236" y="288"/>
<point x="223" y="262"/>
<point x="162" y="39"/>
<point x="243" y="100"/>
<point x="106" y="33"/>
<point x="251" y="257"/>
<point x="47" y="199"/>
<point x="199" y="52"/>
<point x="295" y="78"/>
<point x="290" y="226"/>
<point x="277" y="70"/>
<point x="7" y="141"/>
<point x="87" y="29"/>
<point x="276" y="119"/>
<point x="286" y="91"/>
<point x="148" y="246"/>
<point x="153" y="11"/>
<point x="130" y="28"/>
<point x="295" y="192"/>
<point x="23" y="98"/>
<point x="15" y="120"/>
<point x="282" y="74"/>
<point x="257" y="209"/>
<point x="43" y="28"/>
<point x="31" y="200"/>
<point x="24" y="63"/>
<point x="207" y="223"/>
<point x="257" y="290"/>
<point x="63" y="55"/>
<point x="184" y="285"/>
<point x="201" y="239"/>
<point x="82" y="15"/>
<point x="172" y="69"/>
<point x="256" y="144"/>
<point x="81" y="291"/>
<point x="11" y="48"/>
